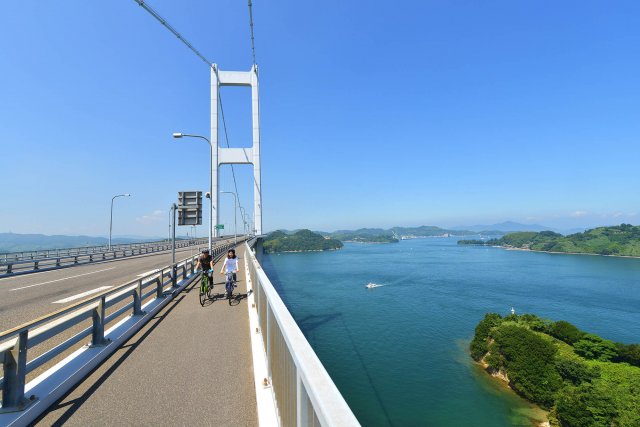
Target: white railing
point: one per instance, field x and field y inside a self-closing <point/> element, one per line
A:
<point x="58" y="258"/>
<point x="304" y="393"/>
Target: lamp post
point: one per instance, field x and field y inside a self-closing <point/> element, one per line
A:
<point x="243" y="214"/>
<point x="235" y="216"/>
<point x="181" y="135"/>
<point x="111" y="220"/>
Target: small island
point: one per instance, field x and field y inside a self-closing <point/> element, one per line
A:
<point x="359" y="238"/>
<point x="300" y="241"/>
<point x="620" y="240"/>
<point x="583" y="380"/>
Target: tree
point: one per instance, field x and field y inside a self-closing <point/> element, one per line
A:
<point x="576" y="372"/>
<point x="566" y="332"/>
<point x="479" y="345"/>
<point x="629" y="353"/>
<point x="529" y="360"/>
<point x="593" y="347"/>
<point x="585" y="406"/>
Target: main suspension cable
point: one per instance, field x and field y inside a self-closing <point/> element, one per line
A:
<point x="253" y="43"/>
<point x="175" y="32"/>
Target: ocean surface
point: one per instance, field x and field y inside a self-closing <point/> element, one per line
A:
<point x="398" y="353"/>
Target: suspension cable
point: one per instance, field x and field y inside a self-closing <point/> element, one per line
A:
<point x="168" y="26"/>
<point x="253" y="43"/>
<point x="175" y="32"/>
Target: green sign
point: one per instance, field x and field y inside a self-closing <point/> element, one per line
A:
<point x="220" y="227"/>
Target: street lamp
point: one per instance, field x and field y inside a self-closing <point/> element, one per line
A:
<point x="181" y="135"/>
<point x="111" y="220"/>
<point x="235" y="216"/>
<point x="244" y="221"/>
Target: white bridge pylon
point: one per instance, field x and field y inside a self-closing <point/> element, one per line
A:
<point x="242" y="156"/>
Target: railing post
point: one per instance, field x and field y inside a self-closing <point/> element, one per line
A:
<point x="97" y="334"/>
<point x="174" y="275"/>
<point x="268" y="331"/>
<point x="9" y="268"/>
<point x="15" y="366"/>
<point x="159" y="285"/>
<point x="137" y="299"/>
<point x="302" y="403"/>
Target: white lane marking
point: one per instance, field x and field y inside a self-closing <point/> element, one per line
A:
<point x="59" y="280"/>
<point x="84" y="294"/>
<point x="149" y="272"/>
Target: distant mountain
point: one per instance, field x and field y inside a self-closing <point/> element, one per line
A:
<point x="505" y="227"/>
<point x="13" y="242"/>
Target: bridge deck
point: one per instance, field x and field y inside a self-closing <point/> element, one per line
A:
<point x="191" y="365"/>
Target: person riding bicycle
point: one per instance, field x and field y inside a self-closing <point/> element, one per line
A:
<point x="230" y="264"/>
<point x="205" y="262"/>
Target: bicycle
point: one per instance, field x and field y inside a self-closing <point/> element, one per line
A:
<point x="205" y="286"/>
<point x="230" y="284"/>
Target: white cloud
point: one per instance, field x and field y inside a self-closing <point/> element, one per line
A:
<point x="153" y="217"/>
<point x="579" y="214"/>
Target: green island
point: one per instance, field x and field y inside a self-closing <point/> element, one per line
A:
<point x="583" y="380"/>
<point x="620" y="240"/>
<point x="300" y="241"/>
<point x="364" y="238"/>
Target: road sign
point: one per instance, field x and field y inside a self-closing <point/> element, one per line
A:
<point x="220" y="227"/>
<point x="190" y="208"/>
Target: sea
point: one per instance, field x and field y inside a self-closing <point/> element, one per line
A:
<point x="399" y="352"/>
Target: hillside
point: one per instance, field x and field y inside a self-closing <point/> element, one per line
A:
<point x="621" y="240"/>
<point x="583" y="379"/>
<point x="300" y="241"/>
<point x="392" y="235"/>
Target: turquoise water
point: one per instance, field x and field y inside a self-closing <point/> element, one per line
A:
<point x="398" y="352"/>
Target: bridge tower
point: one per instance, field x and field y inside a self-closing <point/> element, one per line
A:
<point x="228" y="156"/>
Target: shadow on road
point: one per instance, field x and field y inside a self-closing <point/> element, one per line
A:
<point x="116" y="359"/>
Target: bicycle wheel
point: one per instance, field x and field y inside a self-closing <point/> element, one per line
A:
<point x="204" y="288"/>
<point x="209" y="288"/>
<point x="229" y="289"/>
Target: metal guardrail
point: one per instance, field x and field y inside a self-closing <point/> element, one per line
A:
<point x="52" y="262"/>
<point x="15" y="343"/>
<point x="304" y="392"/>
<point x="7" y="257"/>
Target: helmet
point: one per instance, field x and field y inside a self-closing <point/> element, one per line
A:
<point x="205" y="251"/>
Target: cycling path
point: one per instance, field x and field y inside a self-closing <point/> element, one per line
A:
<point x="190" y="365"/>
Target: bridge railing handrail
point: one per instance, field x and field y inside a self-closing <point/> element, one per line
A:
<point x="13" y="267"/>
<point x="79" y="250"/>
<point x="304" y="392"/>
<point x="15" y="342"/>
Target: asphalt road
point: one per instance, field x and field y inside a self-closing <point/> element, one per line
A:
<point x="26" y="297"/>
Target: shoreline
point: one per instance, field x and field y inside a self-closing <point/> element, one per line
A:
<point x="303" y="250"/>
<point x="503" y="379"/>
<point x="511" y="248"/>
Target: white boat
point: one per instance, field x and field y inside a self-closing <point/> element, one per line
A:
<point x="372" y="285"/>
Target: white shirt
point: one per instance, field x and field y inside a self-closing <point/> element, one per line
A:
<point x="230" y="264"/>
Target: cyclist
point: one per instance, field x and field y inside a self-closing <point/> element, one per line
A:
<point x="204" y="262"/>
<point x="230" y="264"/>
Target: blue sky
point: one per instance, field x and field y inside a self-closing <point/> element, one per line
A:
<point x="373" y="114"/>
